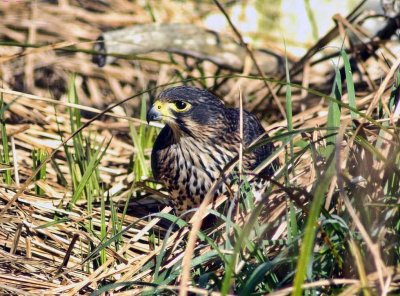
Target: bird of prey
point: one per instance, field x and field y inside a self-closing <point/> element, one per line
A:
<point x="200" y="138"/>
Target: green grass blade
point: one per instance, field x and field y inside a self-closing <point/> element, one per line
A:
<point x="229" y="272"/>
<point x="4" y="140"/>
<point x="103" y="228"/>
<point x="141" y="167"/>
<point x="288" y="104"/>
<point x="309" y="231"/>
<point x="256" y="277"/>
<point x="334" y="112"/>
<point x="350" y="84"/>
<point x="38" y="156"/>
<point x="303" y="267"/>
<point x="92" y="165"/>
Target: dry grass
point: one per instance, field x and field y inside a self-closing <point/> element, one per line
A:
<point x="46" y="245"/>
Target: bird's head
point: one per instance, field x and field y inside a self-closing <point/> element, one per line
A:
<point x="188" y="111"/>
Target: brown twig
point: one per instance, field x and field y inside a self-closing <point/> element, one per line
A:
<point x="68" y="253"/>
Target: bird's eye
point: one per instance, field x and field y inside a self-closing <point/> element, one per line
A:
<point x="181" y="106"/>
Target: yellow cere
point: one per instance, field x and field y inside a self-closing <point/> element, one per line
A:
<point x="162" y="108"/>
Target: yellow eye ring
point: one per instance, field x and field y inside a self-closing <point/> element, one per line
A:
<point x="180" y="106"/>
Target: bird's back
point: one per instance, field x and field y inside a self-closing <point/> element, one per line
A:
<point x="253" y="132"/>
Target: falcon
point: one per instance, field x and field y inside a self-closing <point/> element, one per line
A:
<point x="200" y="137"/>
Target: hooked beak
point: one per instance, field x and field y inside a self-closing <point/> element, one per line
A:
<point x="153" y="115"/>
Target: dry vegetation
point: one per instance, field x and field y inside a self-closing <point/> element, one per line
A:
<point x="79" y="211"/>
